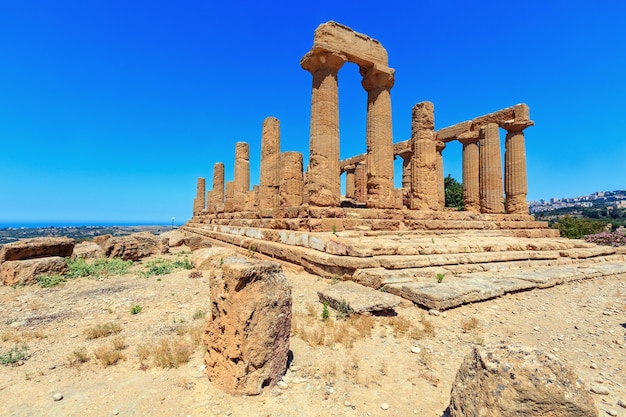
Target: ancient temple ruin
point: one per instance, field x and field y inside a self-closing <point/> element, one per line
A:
<point x="377" y="234"/>
<point x="287" y="191"/>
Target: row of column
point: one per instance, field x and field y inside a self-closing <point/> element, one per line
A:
<point x="281" y="182"/>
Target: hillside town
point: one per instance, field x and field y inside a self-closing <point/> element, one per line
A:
<point x="607" y="199"/>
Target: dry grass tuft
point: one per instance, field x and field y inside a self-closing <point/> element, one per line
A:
<point x="172" y="353"/>
<point x="78" y="357"/>
<point x="103" y="330"/>
<point x="108" y="356"/>
<point x="470" y="324"/>
<point x="119" y="343"/>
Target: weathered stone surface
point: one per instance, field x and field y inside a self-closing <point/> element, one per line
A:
<point x="270" y="166"/>
<point x="87" y="250"/>
<point x="291" y="183"/>
<point x="247" y="334"/>
<point x="25" y="272"/>
<point x="175" y="237"/>
<point x="360" y="299"/>
<point x="135" y="246"/>
<point x="210" y="258"/>
<point x="516" y="381"/>
<point x="424" y="161"/>
<point x="196" y="242"/>
<point x="490" y="172"/>
<point x="199" y="203"/>
<point x="38" y="247"/>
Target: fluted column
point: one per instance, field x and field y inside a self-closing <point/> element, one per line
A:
<point x="323" y="175"/>
<point x="378" y="81"/>
<point x="424" y="195"/>
<point x="291" y="184"/>
<point x="471" y="163"/>
<point x="229" y="197"/>
<point x="270" y="168"/>
<point x="350" y="181"/>
<point x="441" y="187"/>
<point x="515" y="179"/>
<point x="242" y="174"/>
<point x="199" y="201"/>
<point x="360" y="183"/>
<point x="490" y="170"/>
<point x="217" y="195"/>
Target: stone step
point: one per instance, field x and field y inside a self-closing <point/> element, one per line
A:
<point x="469" y="288"/>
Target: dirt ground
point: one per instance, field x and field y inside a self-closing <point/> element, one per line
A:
<point x="362" y="366"/>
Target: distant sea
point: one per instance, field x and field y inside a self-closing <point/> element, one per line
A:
<point x="60" y="224"/>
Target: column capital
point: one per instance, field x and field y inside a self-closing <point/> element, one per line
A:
<point x="517" y="125"/>
<point x="377" y="76"/>
<point x="317" y="59"/>
<point x="440" y="145"/>
<point x="349" y="168"/>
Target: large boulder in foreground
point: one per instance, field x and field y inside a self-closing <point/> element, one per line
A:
<point x="247" y="333"/>
<point x="26" y="272"/>
<point x="39" y="247"/>
<point x="133" y="247"/>
<point x="517" y="381"/>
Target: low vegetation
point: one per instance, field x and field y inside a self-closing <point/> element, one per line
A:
<point x="163" y="266"/>
<point x="14" y="355"/>
<point x="607" y="239"/>
<point x="103" y="330"/>
<point x="577" y="228"/>
<point x="99" y="268"/>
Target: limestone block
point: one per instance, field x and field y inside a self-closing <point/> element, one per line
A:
<point x="209" y="258"/>
<point x="25" y="272"/>
<point x="518" y="381"/>
<point x="291" y="184"/>
<point x="247" y="334"/>
<point x="360" y="299"/>
<point x="135" y="246"/>
<point x="87" y="250"/>
<point x="38" y="247"/>
<point x="358" y="47"/>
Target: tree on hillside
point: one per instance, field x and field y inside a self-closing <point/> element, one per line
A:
<point x="454" y="193"/>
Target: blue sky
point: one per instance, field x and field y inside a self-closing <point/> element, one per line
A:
<point x="110" y="110"/>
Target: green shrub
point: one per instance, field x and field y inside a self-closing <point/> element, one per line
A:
<point x="99" y="268"/>
<point x="14" y="355"/>
<point x="164" y="267"/>
<point x="136" y="309"/>
<point x="576" y="228"/>
<point x="47" y="281"/>
<point x="325" y="312"/>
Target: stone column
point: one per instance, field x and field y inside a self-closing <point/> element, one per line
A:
<point x="424" y="194"/>
<point x="490" y="170"/>
<point x="270" y="168"/>
<point x="350" y="182"/>
<point x="291" y="184"/>
<point x="217" y="195"/>
<point x="323" y="175"/>
<point x="360" y="183"/>
<point x="441" y="188"/>
<point x="229" y="197"/>
<point x="199" y="202"/>
<point x="242" y="174"/>
<point x="378" y="81"/>
<point x="515" y="181"/>
<point x="471" y="193"/>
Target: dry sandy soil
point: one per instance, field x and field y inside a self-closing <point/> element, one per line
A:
<point x="352" y="367"/>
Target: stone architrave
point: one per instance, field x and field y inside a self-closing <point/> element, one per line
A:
<point x="377" y="81"/>
<point x="471" y="162"/>
<point x="441" y="189"/>
<point x="517" y="381"/>
<point x="360" y="183"/>
<point x="490" y="171"/>
<point x="350" y="181"/>
<point x="247" y="333"/>
<point x="270" y="167"/>
<point x="217" y="195"/>
<point x="242" y="175"/>
<point x="424" y="194"/>
<point x="199" y="203"/>
<point x="291" y="185"/>
<point x="323" y="174"/>
<point x="515" y="181"/>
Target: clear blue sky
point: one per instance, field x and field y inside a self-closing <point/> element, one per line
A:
<point x="110" y="110"/>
